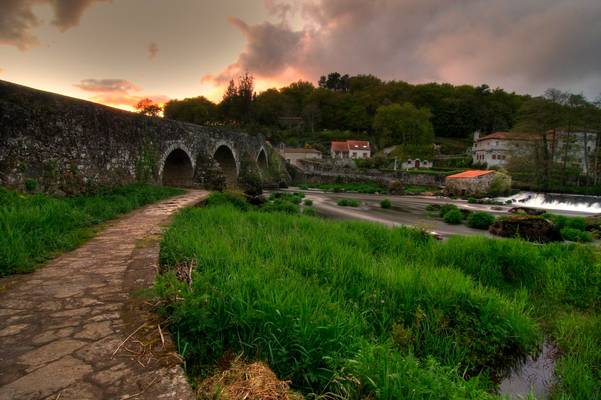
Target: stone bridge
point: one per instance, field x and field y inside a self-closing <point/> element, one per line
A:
<point x="59" y="144"/>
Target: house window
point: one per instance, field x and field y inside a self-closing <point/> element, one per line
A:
<point x="354" y="154"/>
<point x="364" y="155"/>
<point x="494" y="156"/>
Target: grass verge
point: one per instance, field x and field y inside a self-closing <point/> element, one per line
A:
<point x="35" y="228"/>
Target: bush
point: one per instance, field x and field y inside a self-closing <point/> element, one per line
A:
<point x="310" y="212"/>
<point x="348" y="203"/>
<point x="385" y="203"/>
<point x="443" y="210"/>
<point x="471" y="200"/>
<point x="31" y="185"/>
<point x="480" y="220"/>
<point x="453" y="217"/>
<point x="576" y="235"/>
<point x="308" y="202"/>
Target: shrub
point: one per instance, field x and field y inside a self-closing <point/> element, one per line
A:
<point x="453" y="217"/>
<point x="348" y="203"/>
<point x="471" y="200"/>
<point x="385" y="203"/>
<point x="444" y="209"/>
<point x="31" y="185"/>
<point x="576" y="235"/>
<point x="480" y="220"/>
<point x="308" y="202"/>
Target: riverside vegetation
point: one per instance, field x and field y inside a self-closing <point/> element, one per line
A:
<point x="35" y="228"/>
<point x="358" y="310"/>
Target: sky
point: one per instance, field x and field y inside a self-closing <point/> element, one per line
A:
<point x="117" y="52"/>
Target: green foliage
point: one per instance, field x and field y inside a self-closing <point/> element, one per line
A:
<point x="196" y="110"/>
<point x="562" y="221"/>
<point x="34" y="228"/>
<point x="310" y="212"/>
<point x="220" y="198"/>
<point x="471" y="200"/>
<point x="379" y="323"/>
<point x="453" y="217"/>
<point x="308" y="202"/>
<point x="31" y="185"/>
<point x="348" y="203"/>
<point x="385" y="203"/>
<point x="480" y="220"/>
<point x="501" y="184"/>
<point x="403" y="124"/>
<point x="368" y="187"/>
<point x="576" y="235"/>
<point x="442" y="210"/>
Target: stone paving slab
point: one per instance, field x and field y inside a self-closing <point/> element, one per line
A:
<point x="77" y="329"/>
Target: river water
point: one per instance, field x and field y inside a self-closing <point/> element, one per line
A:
<point x="557" y="202"/>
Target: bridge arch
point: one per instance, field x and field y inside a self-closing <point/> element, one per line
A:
<point x="226" y="158"/>
<point x="262" y="160"/>
<point x="176" y="167"/>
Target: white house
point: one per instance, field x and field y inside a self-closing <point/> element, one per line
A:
<point x="416" y="163"/>
<point x="350" y="149"/>
<point x="496" y="149"/>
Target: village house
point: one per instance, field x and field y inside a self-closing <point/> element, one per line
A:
<point x="293" y="155"/>
<point x="496" y="149"/>
<point x="350" y="149"/>
<point x="471" y="182"/>
<point x="416" y="163"/>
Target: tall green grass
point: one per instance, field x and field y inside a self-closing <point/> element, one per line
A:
<point x="337" y="307"/>
<point x="34" y="228"/>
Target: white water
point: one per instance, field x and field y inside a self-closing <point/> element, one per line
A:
<point x="559" y="202"/>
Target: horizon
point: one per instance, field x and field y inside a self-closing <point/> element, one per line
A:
<point x="91" y="49"/>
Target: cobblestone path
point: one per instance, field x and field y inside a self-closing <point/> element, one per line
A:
<point x="78" y="327"/>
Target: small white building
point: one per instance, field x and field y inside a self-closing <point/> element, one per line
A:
<point x="293" y="155"/>
<point x="416" y="163"/>
<point x="350" y="149"/>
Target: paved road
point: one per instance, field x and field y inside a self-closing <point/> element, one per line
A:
<point x="75" y="329"/>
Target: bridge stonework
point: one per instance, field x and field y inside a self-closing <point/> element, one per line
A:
<point x="57" y="144"/>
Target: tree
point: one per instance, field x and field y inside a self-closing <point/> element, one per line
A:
<point x="148" y="107"/>
<point x="236" y="105"/>
<point x="403" y="124"/>
<point x="196" y="110"/>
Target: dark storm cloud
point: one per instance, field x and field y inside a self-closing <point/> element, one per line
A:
<point x="17" y="18"/>
<point x="523" y="44"/>
<point x="107" y="85"/>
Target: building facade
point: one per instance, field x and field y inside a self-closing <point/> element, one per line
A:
<point x="350" y="149"/>
<point x="496" y="150"/>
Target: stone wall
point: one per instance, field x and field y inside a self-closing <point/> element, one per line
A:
<point x="329" y="173"/>
<point x="58" y="144"/>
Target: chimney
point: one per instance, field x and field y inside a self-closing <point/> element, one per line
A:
<point x="476" y="136"/>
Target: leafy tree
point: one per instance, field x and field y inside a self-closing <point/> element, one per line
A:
<point x="403" y="124"/>
<point x="196" y="110"/>
<point x="147" y="106"/>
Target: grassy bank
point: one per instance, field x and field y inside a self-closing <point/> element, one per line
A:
<point x="355" y="309"/>
<point x="34" y="228"/>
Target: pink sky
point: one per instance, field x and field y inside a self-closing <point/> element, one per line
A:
<point x="117" y="52"/>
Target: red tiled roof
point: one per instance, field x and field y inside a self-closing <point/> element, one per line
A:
<point x="472" y="173"/>
<point x="350" y="145"/>
<point x="358" y="144"/>
<point x="340" y="146"/>
<point x="512" y="136"/>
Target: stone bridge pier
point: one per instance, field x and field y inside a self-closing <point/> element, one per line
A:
<point x="58" y="144"/>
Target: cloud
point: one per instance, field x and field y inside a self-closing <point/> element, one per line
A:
<point x="525" y="45"/>
<point x="107" y="85"/>
<point x="17" y="19"/>
<point x="153" y="50"/>
<point x="117" y="92"/>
